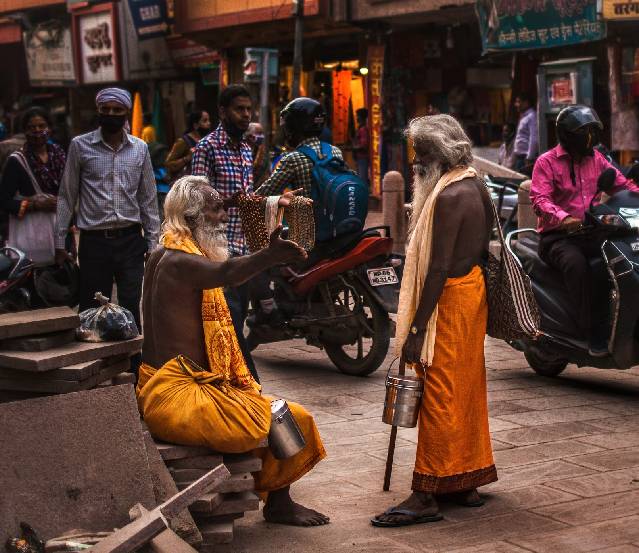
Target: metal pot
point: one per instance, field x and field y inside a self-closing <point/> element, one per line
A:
<point x="403" y="400"/>
<point x="285" y="437"/>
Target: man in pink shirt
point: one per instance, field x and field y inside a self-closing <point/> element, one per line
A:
<point x="564" y="182"/>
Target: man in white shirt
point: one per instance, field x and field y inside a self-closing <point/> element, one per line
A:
<point x="526" y="147"/>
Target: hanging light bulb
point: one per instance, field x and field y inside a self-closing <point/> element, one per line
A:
<point x="450" y="41"/>
<point x="363" y="70"/>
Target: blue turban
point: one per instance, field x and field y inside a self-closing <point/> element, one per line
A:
<point x="113" y="94"/>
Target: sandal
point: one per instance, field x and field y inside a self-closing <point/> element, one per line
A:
<point x="416" y="518"/>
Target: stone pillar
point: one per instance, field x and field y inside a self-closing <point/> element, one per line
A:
<point x="393" y="210"/>
<point x="526" y="217"/>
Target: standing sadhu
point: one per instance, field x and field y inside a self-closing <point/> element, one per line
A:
<point x="441" y="322"/>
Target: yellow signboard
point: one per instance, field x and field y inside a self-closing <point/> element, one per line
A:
<point x="620" y="9"/>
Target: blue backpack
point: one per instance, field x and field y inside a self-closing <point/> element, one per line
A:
<point x="340" y="196"/>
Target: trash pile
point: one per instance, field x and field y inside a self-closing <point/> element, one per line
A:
<point x="79" y="469"/>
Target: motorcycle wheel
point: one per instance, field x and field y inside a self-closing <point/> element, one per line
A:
<point x="351" y="359"/>
<point x="544" y="364"/>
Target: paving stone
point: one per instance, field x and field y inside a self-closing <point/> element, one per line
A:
<point x="613" y="440"/>
<point x="545" y="433"/>
<point x="617" y="424"/>
<point x="497" y="408"/>
<point x="627" y="548"/>
<point x="539" y="473"/>
<point x="600" y="483"/>
<point x="472" y="532"/>
<point x="550" y="416"/>
<point x="621" y="407"/>
<point x="492" y="547"/>
<point x="582" y="539"/>
<point x="541" y="452"/>
<point x="593" y="509"/>
<point x="537" y="404"/>
<point x="497" y="424"/>
<point x="609" y="460"/>
<point x="37" y="321"/>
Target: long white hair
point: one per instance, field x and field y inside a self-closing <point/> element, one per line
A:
<point x="441" y="145"/>
<point x="184" y="217"/>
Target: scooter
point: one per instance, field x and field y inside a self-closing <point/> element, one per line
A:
<point x="16" y="281"/>
<point x="615" y="225"/>
<point x="340" y="304"/>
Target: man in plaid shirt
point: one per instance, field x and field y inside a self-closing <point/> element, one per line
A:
<point x="226" y="159"/>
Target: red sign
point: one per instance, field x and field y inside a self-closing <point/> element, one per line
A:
<point x="375" y="74"/>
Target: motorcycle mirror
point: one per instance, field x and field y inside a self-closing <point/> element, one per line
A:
<point x="606" y="180"/>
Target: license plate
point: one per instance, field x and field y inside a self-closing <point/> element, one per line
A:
<point x="382" y="277"/>
<point x="635" y="246"/>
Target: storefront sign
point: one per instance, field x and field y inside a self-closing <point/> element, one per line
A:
<point x="49" y="53"/>
<point x="375" y="74"/>
<point x="188" y="53"/>
<point x="96" y="42"/>
<point x="508" y="25"/>
<point x="149" y="18"/>
<point x="615" y="9"/>
<point x="562" y="89"/>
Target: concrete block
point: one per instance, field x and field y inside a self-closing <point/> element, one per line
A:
<point x="39" y="343"/>
<point x="234" y="503"/>
<point x="79" y="371"/>
<point x="207" y="503"/>
<point x="37" y="321"/>
<point x="170" y="452"/>
<point x="215" y="533"/>
<point x="70" y="354"/>
<point x="72" y="460"/>
<point x="201" y="462"/>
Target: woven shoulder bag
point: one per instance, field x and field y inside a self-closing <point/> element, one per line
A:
<point x="513" y="313"/>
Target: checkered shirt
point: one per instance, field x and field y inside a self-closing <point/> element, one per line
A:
<point x="229" y="168"/>
<point x="113" y="188"/>
<point x="294" y="171"/>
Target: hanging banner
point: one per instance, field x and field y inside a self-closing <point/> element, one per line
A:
<point x="375" y="74"/>
<point x="96" y="44"/>
<point x="615" y="9"/>
<point x="49" y="52"/>
<point x="508" y="25"/>
<point x="341" y="96"/>
<point x="150" y="18"/>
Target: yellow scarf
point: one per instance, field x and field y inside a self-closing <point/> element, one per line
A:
<point x="418" y="254"/>
<point x="222" y="348"/>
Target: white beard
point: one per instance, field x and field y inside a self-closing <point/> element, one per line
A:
<point x="211" y="239"/>
<point x="425" y="179"/>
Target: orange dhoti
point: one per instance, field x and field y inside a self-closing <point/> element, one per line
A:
<point x="220" y="406"/>
<point x="454" y="452"/>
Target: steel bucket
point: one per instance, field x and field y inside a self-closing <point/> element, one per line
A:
<point x="285" y="437"/>
<point x="403" y="400"/>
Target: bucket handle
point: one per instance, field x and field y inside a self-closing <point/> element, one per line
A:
<point x="402" y="366"/>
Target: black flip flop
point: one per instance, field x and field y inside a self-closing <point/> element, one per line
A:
<point x="417" y="518"/>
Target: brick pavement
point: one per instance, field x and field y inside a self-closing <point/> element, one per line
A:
<point x="567" y="452"/>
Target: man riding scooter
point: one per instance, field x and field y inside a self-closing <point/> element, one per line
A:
<point x="564" y="184"/>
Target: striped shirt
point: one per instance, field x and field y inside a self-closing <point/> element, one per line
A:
<point x="229" y="168"/>
<point x="294" y="171"/>
<point x="115" y="188"/>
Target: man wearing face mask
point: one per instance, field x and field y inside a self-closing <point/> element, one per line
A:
<point x="109" y="173"/>
<point x="564" y="182"/>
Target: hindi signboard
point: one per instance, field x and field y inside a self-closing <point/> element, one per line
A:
<point x="624" y="10"/>
<point x="49" y="54"/>
<point x="97" y="46"/>
<point x="507" y="25"/>
<point x="375" y="74"/>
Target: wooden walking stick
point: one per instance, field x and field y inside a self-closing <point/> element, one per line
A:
<point x="393" y="437"/>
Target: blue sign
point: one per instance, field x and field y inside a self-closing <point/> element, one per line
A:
<point x="150" y="18"/>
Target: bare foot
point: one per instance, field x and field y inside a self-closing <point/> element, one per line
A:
<point x="422" y="506"/>
<point x="281" y="509"/>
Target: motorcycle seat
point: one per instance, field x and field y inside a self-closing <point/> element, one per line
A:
<point x="366" y="249"/>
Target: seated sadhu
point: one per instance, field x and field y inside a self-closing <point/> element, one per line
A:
<point x="194" y="386"/>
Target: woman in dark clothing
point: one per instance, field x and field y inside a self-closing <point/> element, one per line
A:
<point x="178" y="162"/>
<point x="29" y="187"/>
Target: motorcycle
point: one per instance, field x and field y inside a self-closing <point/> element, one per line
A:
<point x="16" y="281"/>
<point x="615" y="225"/>
<point x="504" y="193"/>
<point x="340" y="304"/>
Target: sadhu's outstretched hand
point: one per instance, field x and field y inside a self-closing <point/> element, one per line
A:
<point x="284" y="251"/>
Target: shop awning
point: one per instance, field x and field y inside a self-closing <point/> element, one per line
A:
<point x="364" y="10"/>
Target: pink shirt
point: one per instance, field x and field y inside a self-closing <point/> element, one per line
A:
<point x="553" y="195"/>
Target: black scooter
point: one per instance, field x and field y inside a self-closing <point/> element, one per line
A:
<point x="615" y="225"/>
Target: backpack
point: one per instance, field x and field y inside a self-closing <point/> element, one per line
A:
<point x="340" y="196"/>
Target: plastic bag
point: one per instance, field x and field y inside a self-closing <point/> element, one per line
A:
<point x="107" y="323"/>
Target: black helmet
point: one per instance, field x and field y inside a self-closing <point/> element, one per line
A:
<point x="58" y="286"/>
<point x="573" y="124"/>
<point x="303" y="118"/>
